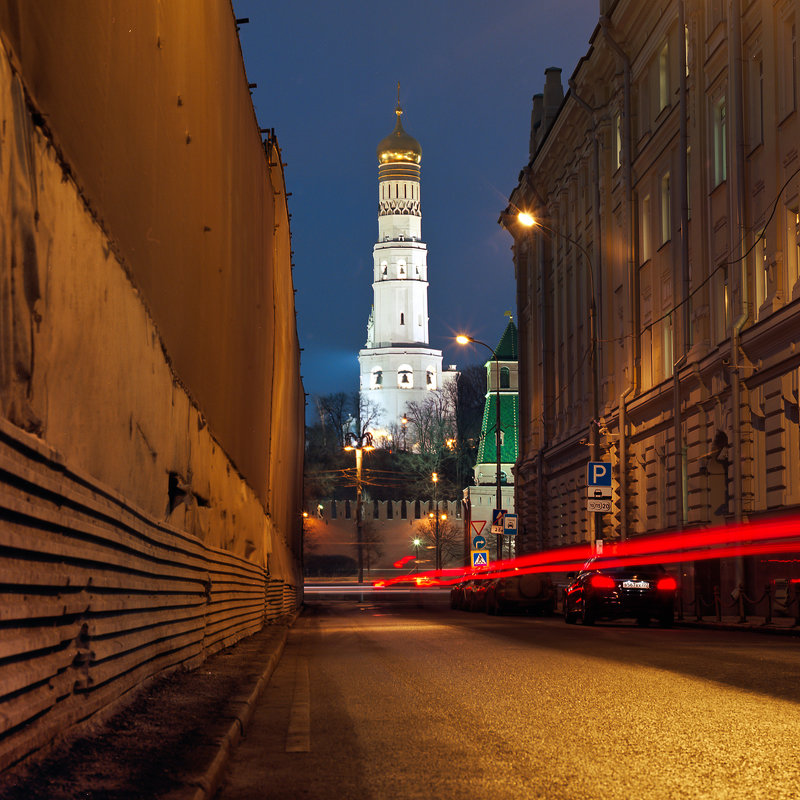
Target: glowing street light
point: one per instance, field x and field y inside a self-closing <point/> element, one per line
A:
<point x="359" y="444"/>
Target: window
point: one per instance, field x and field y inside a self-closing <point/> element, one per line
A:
<point x="384" y="269"/>
<point x="755" y="100"/>
<point x="721" y="304"/>
<point x="666" y="345"/>
<point x="617" y="140"/>
<point x="377" y="378"/>
<point x="430" y="378"/>
<point x="792" y="257"/>
<point x="760" y="274"/>
<point x="401" y="269"/>
<point x="720" y="143"/>
<point x="787" y="55"/>
<point x="666" y="214"/>
<point x="402" y="318"/>
<point x="644" y="244"/>
<point x="689" y="181"/>
<point x="405" y="377"/>
<point x="663" y="77"/>
<point x="505" y="378"/>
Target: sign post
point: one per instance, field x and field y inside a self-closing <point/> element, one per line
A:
<point x="598" y="487"/>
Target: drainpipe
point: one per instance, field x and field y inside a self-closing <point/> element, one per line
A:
<point x="738" y="214"/>
<point x="680" y="330"/>
<point x="633" y="275"/>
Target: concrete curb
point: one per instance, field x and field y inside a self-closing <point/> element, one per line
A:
<point x="738" y="627"/>
<point x="207" y="785"/>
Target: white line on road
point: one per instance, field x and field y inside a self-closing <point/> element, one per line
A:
<point x="298" y="736"/>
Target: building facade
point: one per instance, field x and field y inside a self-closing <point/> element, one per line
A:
<point x="397" y="364"/>
<point x="658" y="289"/>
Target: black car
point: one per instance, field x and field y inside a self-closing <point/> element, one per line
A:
<point x="526" y="593"/>
<point x="640" y="592"/>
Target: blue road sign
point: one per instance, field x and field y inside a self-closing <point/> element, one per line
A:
<point x="479" y="543"/>
<point x="510" y="524"/>
<point x="598" y="474"/>
<point x="480" y="558"/>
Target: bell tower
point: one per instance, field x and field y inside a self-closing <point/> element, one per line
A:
<point x="397" y="365"/>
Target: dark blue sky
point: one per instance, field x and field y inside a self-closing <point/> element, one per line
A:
<point x="327" y="75"/>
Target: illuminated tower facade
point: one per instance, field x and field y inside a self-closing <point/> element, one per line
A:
<point x="397" y="364"/>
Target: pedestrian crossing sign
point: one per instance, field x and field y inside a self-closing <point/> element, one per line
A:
<point x="480" y="558"/>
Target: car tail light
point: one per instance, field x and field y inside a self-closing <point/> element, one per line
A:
<point x="667" y="585"/>
<point x="602" y="582"/>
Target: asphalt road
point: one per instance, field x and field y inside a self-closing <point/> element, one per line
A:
<point x="390" y="700"/>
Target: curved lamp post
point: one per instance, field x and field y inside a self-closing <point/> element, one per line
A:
<point x="464" y="339"/>
<point x="529" y="221"/>
<point x="360" y="444"/>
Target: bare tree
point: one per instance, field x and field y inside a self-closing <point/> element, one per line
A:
<point x="450" y="539"/>
<point x="335" y="411"/>
<point x="368" y="414"/>
<point x="432" y="422"/>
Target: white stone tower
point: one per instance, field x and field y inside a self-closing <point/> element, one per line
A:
<point x="397" y="364"/>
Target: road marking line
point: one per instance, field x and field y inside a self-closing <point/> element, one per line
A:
<point x="298" y="736"/>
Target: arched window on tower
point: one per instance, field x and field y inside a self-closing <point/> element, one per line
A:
<point x="405" y="377"/>
<point x="402" y="318"/>
<point x="401" y="269"/>
<point x="430" y="378"/>
<point x="384" y="269"/>
<point x="505" y="377"/>
<point x="377" y="378"/>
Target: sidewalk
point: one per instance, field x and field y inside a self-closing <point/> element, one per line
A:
<point x="781" y="626"/>
<point x="172" y="742"/>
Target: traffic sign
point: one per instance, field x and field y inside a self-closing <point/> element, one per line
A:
<point x="599" y="504"/>
<point x="497" y="519"/>
<point x="510" y="524"/>
<point x="480" y="558"/>
<point x="479" y="543"/>
<point x="478" y="526"/>
<point x="598" y="484"/>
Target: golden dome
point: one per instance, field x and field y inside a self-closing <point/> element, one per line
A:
<point x="398" y="145"/>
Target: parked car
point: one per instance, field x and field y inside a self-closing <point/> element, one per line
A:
<point x="460" y="593"/>
<point x="641" y="592"/>
<point x="526" y="593"/>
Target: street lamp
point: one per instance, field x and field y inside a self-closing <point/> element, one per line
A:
<point x="417" y="542"/>
<point x="360" y="444"/>
<point x="435" y="479"/>
<point x="404" y="423"/>
<point x="464" y="339"/>
<point x="529" y="221"/>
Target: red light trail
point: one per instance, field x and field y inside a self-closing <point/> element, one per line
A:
<point x="781" y="535"/>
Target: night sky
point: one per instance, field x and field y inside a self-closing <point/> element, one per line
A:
<point x="327" y="75"/>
